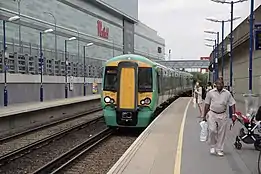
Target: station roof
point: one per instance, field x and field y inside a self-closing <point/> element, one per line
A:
<point x="185" y="63"/>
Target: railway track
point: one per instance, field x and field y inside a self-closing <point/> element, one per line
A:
<point x="45" y="126"/>
<point x="25" y="144"/>
<point x="21" y="140"/>
<point x="58" y="164"/>
<point x="101" y="158"/>
<point x="46" y="150"/>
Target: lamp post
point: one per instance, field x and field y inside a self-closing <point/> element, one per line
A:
<point x="222" y="38"/>
<point x="55" y="34"/>
<point x="169" y="53"/>
<point x="19" y="25"/>
<point x="4" y="57"/>
<point x="216" y="50"/>
<point x="41" y="61"/>
<point x="84" y="69"/>
<point x="251" y="40"/>
<point x="215" y="66"/>
<point x="66" y="64"/>
<point x="213" y="47"/>
<point x="78" y="48"/>
<point x="231" y="33"/>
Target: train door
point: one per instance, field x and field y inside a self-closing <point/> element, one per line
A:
<point x="127" y="86"/>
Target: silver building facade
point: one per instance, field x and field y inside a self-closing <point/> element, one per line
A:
<point x="112" y="26"/>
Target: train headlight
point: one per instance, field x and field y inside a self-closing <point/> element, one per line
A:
<point x="112" y="101"/>
<point x="146" y="101"/>
<point x="107" y="99"/>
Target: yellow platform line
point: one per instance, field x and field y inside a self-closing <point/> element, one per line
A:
<point x="180" y="142"/>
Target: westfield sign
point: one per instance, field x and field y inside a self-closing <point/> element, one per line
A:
<point x="102" y="31"/>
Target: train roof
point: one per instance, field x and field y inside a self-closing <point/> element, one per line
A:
<point x="145" y="60"/>
<point x="133" y="57"/>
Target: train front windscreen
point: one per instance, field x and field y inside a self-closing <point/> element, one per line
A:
<point x="110" y="79"/>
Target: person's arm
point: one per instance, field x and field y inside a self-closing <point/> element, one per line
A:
<point x="232" y="104"/>
<point x="207" y="106"/>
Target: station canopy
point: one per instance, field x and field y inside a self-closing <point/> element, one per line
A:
<point x="186" y="64"/>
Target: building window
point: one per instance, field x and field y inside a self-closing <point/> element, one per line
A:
<point x="159" y="50"/>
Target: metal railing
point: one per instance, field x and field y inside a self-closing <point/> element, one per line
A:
<point x="28" y="62"/>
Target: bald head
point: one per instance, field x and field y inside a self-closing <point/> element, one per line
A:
<point x="219" y="84"/>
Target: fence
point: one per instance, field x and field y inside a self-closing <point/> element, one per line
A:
<point x="28" y="62"/>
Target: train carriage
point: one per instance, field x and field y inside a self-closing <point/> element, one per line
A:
<point x="134" y="87"/>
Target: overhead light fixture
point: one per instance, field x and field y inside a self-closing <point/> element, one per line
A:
<point x="13" y="18"/>
<point x="89" y="44"/>
<point x="72" y="38"/>
<point x="48" y="30"/>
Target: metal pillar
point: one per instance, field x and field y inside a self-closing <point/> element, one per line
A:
<point x="41" y="63"/>
<point x="231" y="55"/>
<point x="217" y="56"/>
<point x="222" y="48"/>
<point x="214" y="65"/>
<point x="5" y="66"/>
<point x="216" y="61"/>
<point x="84" y="71"/>
<point x="55" y="38"/>
<point x="78" y="51"/>
<point x="113" y="54"/>
<point x="251" y="23"/>
<point x="231" y="47"/>
<point x="66" y="69"/>
<point x="55" y="33"/>
<point x="19" y="25"/>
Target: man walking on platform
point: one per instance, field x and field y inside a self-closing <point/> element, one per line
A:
<point x="216" y="103"/>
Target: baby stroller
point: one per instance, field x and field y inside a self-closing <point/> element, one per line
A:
<point x="247" y="134"/>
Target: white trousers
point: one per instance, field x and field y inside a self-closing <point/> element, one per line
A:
<point x="217" y="125"/>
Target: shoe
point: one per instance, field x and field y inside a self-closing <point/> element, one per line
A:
<point x="212" y="151"/>
<point x="220" y="153"/>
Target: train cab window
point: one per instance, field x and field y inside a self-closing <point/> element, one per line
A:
<point x="145" y="80"/>
<point x="110" y="78"/>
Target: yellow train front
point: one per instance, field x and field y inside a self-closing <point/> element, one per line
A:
<point x="133" y="87"/>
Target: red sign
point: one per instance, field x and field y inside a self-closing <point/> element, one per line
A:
<point x="102" y="31"/>
<point x="204" y="58"/>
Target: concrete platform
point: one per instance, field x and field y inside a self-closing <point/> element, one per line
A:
<point x="21" y="117"/>
<point x="154" y="150"/>
<point x="30" y="107"/>
<point x="171" y="145"/>
<point x="196" y="157"/>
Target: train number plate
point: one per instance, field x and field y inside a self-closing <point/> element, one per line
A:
<point x="126" y="115"/>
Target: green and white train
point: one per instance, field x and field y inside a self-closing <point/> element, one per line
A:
<point x="134" y="87"/>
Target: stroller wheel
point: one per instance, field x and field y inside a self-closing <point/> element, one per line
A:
<point x="238" y="145"/>
<point x="257" y="145"/>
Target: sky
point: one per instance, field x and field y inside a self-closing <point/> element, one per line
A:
<point x="182" y="23"/>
